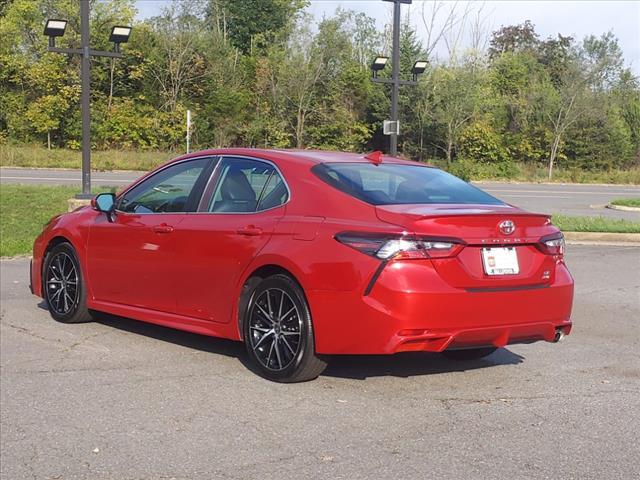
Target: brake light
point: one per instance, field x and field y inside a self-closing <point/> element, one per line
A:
<point x="552" y="244"/>
<point x="401" y="247"/>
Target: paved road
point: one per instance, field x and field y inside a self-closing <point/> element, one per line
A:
<point x="568" y="199"/>
<point x="65" y="177"/>
<point x="556" y="198"/>
<point x="118" y="399"/>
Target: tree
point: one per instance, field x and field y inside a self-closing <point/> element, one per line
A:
<point x="411" y="120"/>
<point x="555" y="55"/>
<point x="300" y="74"/>
<point x="590" y="69"/>
<point x="513" y="38"/>
<point x="514" y="77"/>
<point x="627" y="99"/>
<point x="257" y="20"/>
<point x="343" y="93"/>
<point x="29" y="77"/>
<point x="455" y="95"/>
<point x="176" y="63"/>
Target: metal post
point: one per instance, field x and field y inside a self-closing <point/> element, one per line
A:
<point x="86" y="100"/>
<point x="188" y="131"/>
<point x="395" y="75"/>
<point x="85" y="53"/>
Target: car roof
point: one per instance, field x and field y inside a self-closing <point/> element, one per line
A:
<point x="311" y="157"/>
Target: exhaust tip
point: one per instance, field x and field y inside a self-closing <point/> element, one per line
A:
<point x="559" y="335"/>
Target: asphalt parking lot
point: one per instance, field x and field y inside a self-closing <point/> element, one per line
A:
<point x="117" y="399"/>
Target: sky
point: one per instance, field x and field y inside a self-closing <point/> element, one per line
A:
<point x="550" y="17"/>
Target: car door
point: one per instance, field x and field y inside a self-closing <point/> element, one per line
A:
<point x="246" y="199"/>
<point x="131" y="259"/>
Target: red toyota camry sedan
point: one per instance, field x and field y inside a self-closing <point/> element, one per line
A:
<point x="304" y="254"/>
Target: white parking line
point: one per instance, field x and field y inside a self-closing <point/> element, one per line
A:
<point x="531" y="196"/>
<point x="61" y="179"/>
<point x="613" y="192"/>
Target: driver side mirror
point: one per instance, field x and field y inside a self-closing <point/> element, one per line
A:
<point x="106" y="203"/>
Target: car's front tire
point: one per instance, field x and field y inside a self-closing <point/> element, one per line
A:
<point x="63" y="285"/>
<point x="278" y="332"/>
<point x="469" y="354"/>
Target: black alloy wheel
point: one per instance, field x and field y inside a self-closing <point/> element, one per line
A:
<point x="63" y="286"/>
<point x="278" y="332"/>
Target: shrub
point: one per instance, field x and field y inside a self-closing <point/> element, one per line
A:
<point x="463" y="168"/>
<point x="482" y="143"/>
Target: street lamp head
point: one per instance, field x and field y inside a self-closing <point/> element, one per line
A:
<point x="119" y="35"/>
<point x="419" y="67"/>
<point x="379" y="63"/>
<point x="55" y="28"/>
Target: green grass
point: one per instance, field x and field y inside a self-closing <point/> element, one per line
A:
<point x="24" y="210"/>
<point x="531" y="173"/>
<point x="595" y="224"/>
<point x="627" y="202"/>
<point x="39" y="157"/>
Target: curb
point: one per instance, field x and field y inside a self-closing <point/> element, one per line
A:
<point x="23" y="256"/>
<point x="602" y="238"/>
<point x="623" y="208"/>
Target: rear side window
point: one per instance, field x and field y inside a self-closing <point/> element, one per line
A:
<point x="391" y="184"/>
<point x="247" y="186"/>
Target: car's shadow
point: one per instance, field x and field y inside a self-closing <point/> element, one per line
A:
<point x="411" y="364"/>
<point x="194" y="341"/>
<point x="359" y="367"/>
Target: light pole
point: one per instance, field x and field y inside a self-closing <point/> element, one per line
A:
<point x="56" y="28"/>
<point x="392" y="127"/>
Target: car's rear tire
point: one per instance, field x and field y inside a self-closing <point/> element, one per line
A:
<point x="63" y="285"/>
<point x="469" y="354"/>
<point x="278" y="332"/>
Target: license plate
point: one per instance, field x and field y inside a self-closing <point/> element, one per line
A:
<point x="500" y="261"/>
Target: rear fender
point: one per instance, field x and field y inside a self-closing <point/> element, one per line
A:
<point x="259" y="262"/>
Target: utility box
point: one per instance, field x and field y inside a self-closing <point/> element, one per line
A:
<point x="390" y="127"/>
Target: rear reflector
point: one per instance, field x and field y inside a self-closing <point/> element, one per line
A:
<point x="400" y="247"/>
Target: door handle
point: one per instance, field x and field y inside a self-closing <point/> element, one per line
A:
<point x="164" y="228"/>
<point x="249" y="231"/>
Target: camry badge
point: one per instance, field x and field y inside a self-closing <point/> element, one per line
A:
<point x="507" y="227"/>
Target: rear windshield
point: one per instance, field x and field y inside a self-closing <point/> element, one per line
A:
<point x="391" y="184"/>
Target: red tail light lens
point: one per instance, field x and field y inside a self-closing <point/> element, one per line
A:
<point x="401" y="247"/>
<point x="552" y="244"/>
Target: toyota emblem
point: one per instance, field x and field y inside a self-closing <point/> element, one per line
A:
<point x="507" y="227"/>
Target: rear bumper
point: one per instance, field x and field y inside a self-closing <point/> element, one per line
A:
<point x="412" y="309"/>
<point x="439" y="340"/>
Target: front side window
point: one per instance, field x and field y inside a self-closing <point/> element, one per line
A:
<point x="246" y="186"/>
<point x="400" y="184"/>
<point x="175" y="189"/>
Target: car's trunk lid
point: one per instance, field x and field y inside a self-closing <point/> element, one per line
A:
<point x="479" y="227"/>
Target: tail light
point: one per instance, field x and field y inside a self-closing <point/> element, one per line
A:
<point x="401" y="247"/>
<point x="552" y="244"/>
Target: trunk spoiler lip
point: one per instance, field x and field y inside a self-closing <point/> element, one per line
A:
<point x="436" y="210"/>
